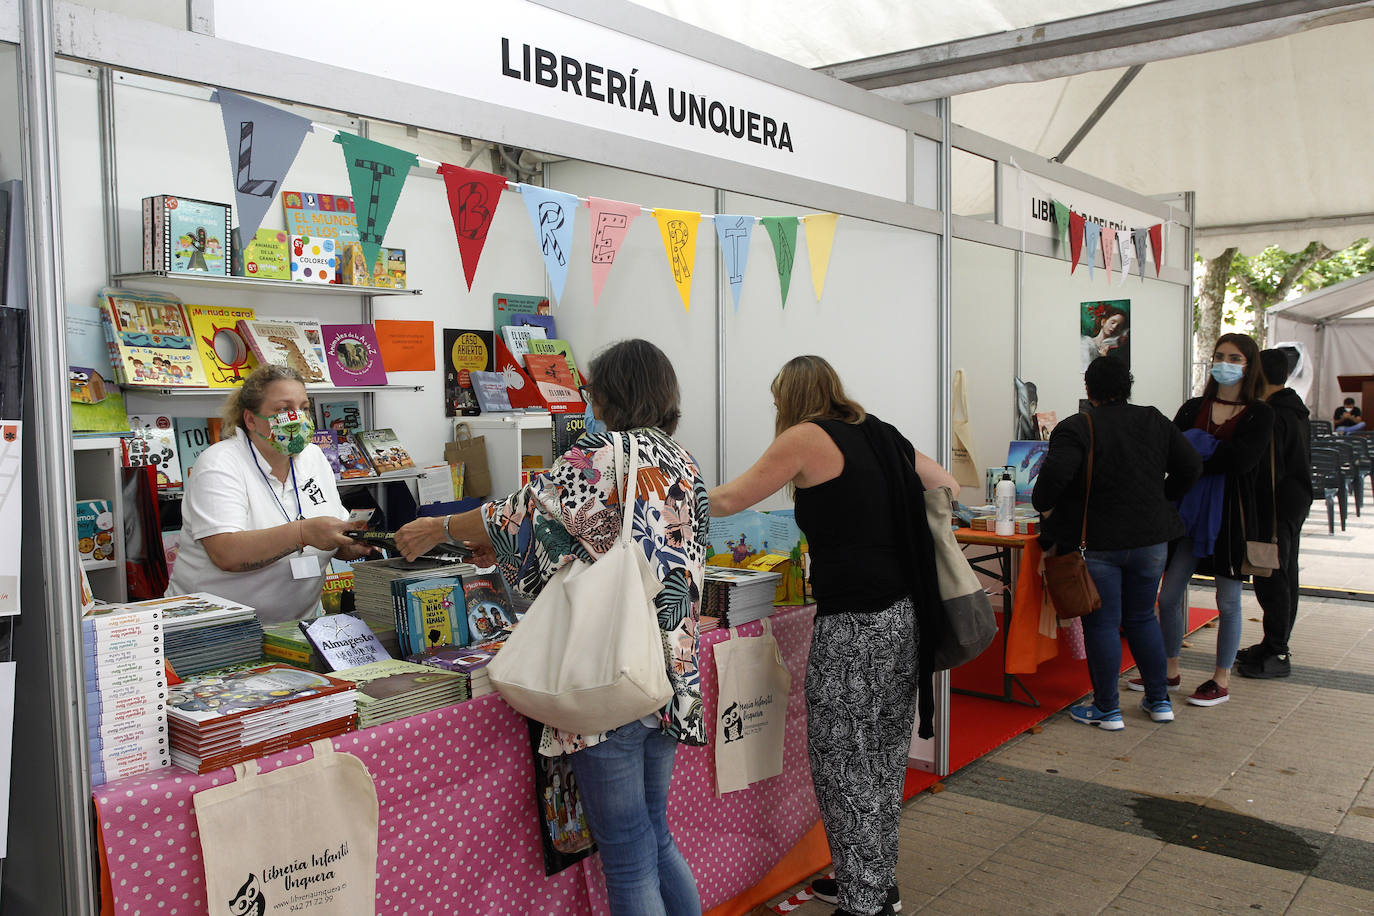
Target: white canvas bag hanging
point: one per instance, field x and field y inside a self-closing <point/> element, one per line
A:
<point x="588" y="655"/>
<point x="300" y="839"/>
<point x="964" y="462"/>
<point x="751" y="715"/>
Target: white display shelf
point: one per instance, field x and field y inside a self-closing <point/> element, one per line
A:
<point x="540" y="419"/>
<point x="221" y="392"/>
<point x="93" y="565"/>
<point x="407" y="474"/>
<point x="326" y="289"/>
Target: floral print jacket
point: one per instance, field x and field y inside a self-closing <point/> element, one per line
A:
<point x="573" y="511"/>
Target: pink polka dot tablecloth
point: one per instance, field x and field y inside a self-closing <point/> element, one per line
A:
<point x="459" y="828"/>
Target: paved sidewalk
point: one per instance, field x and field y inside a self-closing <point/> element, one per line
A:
<point x="1261" y="804"/>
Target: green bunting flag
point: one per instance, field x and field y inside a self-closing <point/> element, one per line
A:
<point x="783" y="231"/>
<point x="1061" y="222"/>
<point x="376" y="173"/>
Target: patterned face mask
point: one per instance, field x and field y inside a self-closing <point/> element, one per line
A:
<point x="291" y="431"/>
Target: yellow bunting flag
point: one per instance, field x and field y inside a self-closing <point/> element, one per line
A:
<point x="820" y="236"/>
<point x="679" y="231"/>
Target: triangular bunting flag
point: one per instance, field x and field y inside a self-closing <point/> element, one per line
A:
<point x="1157" y="244"/>
<point x="611" y="220"/>
<point x="1061" y="221"/>
<point x="1076" y="224"/>
<point x="263" y="142"/>
<point x="1092" y="232"/>
<point x="820" y="236"/>
<point x="734" y="233"/>
<point x="1108" y="251"/>
<point x="552" y="213"/>
<point x="783" y="231"/>
<point x="472" y="200"/>
<point x="679" y="231"/>
<point x="1126" y="247"/>
<point x="1138" y="239"/>
<point x="376" y="173"/>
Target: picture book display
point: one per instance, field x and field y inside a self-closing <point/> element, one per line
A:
<point x="224" y="353"/>
<point x="560" y="348"/>
<point x="284" y="343"/>
<point x="184" y="235"/>
<point x="329" y="216"/>
<point x="149" y="339"/>
<point x="343" y="641"/>
<point x="328" y="442"/>
<point x="94" y="529"/>
<point x="1027" y="457"/>
<point x="520" y="390"/>
<point x="553" y="378"/>
<point x="314" y="260"/>
<point x="465" y="351"/>
<point x="154" y="444"/>
<point x="518" y="336"/>
<point x="267" y="256"/>
<point x="504" y="306"/>
<point x="490" y="390"/>
<point x="344" y="417"/>
<point x="313" y="336"/>
<point x="383" y="450"/>
<point x="352" y="354"/>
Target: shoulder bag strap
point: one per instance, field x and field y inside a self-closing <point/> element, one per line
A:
<point x="627" y="499"/>
<point x="1087" y="488"/>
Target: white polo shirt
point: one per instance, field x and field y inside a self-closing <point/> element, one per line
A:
<point x="231" y="488"/>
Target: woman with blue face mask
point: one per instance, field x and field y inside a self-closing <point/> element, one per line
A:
<point x="1231" y="427"/>
<point x="260" y="517"/>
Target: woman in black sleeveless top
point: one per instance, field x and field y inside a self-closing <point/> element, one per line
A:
<point x="861" y="672"/>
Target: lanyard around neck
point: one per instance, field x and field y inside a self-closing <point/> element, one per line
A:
<point x="300" y="513"/>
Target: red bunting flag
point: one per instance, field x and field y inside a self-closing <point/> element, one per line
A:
<point x="1157" y="243"/>
<point x="1076" y="222"/>
<point x="472" y="199"/>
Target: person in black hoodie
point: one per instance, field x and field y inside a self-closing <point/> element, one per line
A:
<point x="1140" y="464"/>
<point x="1278" y="593"/>
<point x="1231" y="426"/>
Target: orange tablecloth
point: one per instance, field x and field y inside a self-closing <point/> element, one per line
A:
<point x="1026" y="648"/>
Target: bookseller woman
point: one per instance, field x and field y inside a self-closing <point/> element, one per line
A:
<point x="261" y="517"/>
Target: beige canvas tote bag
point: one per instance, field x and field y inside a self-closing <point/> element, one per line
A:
<point x="965" y="462"/>
<point x="751" y="715"/>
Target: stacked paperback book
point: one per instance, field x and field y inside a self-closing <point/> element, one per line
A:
<point x="218" y="721"/>
<point x="205" y="632"/>
<point x="387" y="597"/>
<point x="735" y="596"/>
<point x="126" y="694"/>
<point x="392" y="689"/>
<point x="285" y="643"/>
<point x="467" y="662"/>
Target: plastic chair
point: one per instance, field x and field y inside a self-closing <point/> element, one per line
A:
<point x="1329" y="480"/>
<point x="1320" y="428"/>
<point x="1354" y="479"/>
<point x="1364" y="456"/>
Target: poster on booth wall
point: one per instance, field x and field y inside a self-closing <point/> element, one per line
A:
<point x="1104" y="329"/>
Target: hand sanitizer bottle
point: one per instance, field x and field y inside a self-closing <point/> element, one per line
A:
<point x="1005" y="497"/>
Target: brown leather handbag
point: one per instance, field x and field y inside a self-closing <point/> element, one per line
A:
<point x="1071" y="588"/>
<point x="1262" y="557"/>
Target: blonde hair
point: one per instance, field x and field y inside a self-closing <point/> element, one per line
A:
<point x="808" y="388"/>
<point x="253" y="392"/>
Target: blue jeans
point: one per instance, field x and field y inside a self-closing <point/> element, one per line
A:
<point x="1173" y="606"/>
<point x="1128" y="581"/>
<point x="624" y="784"/>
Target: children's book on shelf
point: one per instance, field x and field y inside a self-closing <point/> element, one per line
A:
<point x="313" y="335"/>
<point x="436" y="614"/>
<point x="466" y="350"/>
<point x="94" y="529"/>
<point x="554" y="380"/>
<point x="567" y="429"/>
<point x="490" y="390"/>
<point x="153" y="443"/>
<point x="353" y="464"/>
<point x="224" y="353"/>
<point x="560" y="348"/>
<point x="284" y="343"/>
<point x="383" y="450"/>
<point x="344" y="417"/>
<point x="320" y="215"/>
<point x="85" y="386"/>
<point x="353" y="266"/>
<point x="86" y="341"/>
<point x="343" y="641"/>
<point x="194" y="435"/>
<point x="520" y="390"/>
<point x="518" y="336"/>
<point x="314" y="260"/>
<point x="395" y="259"/>
<point x="150" y="339"/>
<point x="108" y="416"/>
<point x="328" y="442"/>
<point x="505" y="306"/>
<point x="184" y="235"/>
<point x="491" y="614"/>
<point x="352" y="354"/>
<point x="267" y="256"/>
<point x="534" y="320"/>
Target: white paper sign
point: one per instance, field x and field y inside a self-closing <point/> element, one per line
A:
<point x="11" y="499"/>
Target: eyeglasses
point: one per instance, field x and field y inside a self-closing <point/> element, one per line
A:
<point x="1234" y="358"/>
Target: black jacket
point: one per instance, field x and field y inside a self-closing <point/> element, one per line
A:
<point x="1292" y="455"/>
<point x="1247" y="511"/>
<point x="1141" y="465"/>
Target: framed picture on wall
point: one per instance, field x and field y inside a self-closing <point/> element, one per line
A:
<point x="1104" y="329"/>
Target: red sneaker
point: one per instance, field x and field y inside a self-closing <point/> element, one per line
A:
<point x="1209" y="694"/>
<point x="1138" y="683"/>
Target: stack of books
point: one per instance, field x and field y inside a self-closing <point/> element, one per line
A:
<point x="205" y="632"/>
<point x="469" y="662"/>
<point x="380" y="600"/>
<point x="126" y="694"/>
<point x="285" y="643"/>
<point x="392" y="689"/>
<point x="218" y="721"/>
<point x="735" y="596"/>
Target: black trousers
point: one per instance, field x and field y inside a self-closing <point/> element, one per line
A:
<point x="1277" y="593"/>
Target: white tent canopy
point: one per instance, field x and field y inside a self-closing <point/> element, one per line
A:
<point x="1334" y="327"/>
<point x="1263" y="109"/>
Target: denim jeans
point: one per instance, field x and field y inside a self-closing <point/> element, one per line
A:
<point x="624" y="784"/>
<point x="1128" y="581"/>
<point x="1173" y="606"/>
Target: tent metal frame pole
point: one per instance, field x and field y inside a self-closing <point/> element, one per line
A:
<point x="1102" y="108"/>
<point x="49" y="433"/>
<point x="945" y="312"/>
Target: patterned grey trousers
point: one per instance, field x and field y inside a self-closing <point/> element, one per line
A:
<point x="860" y="708"/>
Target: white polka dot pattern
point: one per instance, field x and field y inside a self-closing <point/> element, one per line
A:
<point x="458" y="822"/>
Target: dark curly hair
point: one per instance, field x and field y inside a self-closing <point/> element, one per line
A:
<point x="633" y="385"/>
<point x="1108" y="380"/>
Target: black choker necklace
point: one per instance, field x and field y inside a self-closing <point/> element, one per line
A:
<point x="1232" y="403"/>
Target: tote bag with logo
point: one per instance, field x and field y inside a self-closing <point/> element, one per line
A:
<point x="751" y="713"/>
<point x="300" y="839"/>
<point x="965" y="463"/>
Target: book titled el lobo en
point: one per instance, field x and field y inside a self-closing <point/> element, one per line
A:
<point x="184" y="235"/>
<point x="149" y="339"/>
<point x="284" y="343"/>
<point x="383" y="450"/>
<point x="554" y="379"/>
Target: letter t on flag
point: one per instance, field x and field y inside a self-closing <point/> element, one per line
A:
<point x="263" y="143"/>
<point x="376" y="174"/>
<point x="733" y="233"/>
<point x="472" y="200"/>
<point x="611" y="221"/>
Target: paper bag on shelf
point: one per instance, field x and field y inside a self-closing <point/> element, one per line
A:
<point x="471" y="452"/>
